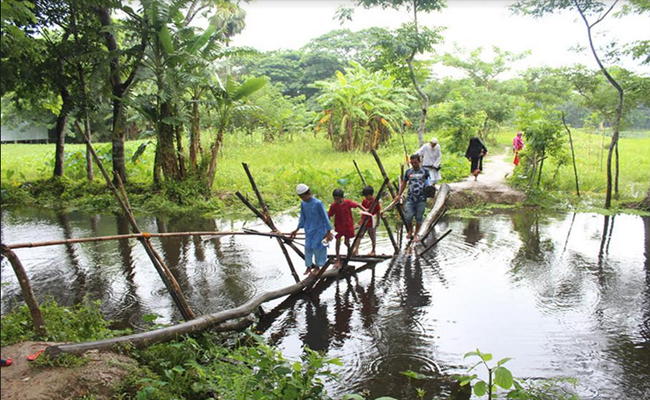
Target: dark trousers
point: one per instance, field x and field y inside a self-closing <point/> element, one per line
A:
<point x="477" y="163"/>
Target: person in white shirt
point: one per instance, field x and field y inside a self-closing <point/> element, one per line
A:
<point x="431" y="157"/>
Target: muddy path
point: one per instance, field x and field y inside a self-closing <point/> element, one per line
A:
<point x="490" y="187"/>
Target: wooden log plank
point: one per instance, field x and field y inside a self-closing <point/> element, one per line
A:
<point x="438" y="207"/>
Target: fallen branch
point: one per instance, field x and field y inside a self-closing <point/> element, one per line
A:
<point x="145" y="339"/>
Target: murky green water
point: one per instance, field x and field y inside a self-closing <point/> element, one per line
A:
<point x="563" y="294"/>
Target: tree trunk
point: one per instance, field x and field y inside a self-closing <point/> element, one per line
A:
<point x="168" y="162"/>
<point x="90" y="175"/>
<point x="181" y="154"/>
<point x="619" y="107"/>
<point x="541" y="166"/>
<point x="573" y="155"/>
<point x="26" y="289"/>
<point x="119" y="89"/>
<point x="423" y="97"/>
<point x="61" y="121"/>
<point x="213" y="158"/>
<point x="157" y="179"/>
<point x="195" y="135"/>
<point x="616" y="174"/>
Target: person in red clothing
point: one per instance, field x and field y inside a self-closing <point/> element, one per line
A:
<point x="341" y="209"/>
<point x="371" y="226"/>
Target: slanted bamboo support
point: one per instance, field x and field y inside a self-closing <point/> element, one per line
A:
<point x="26" y="288"/>
<point x="362" y="228"/>
<point x="269" y="221"/>
<point x="435" y="242"/>
<point x="383" y="218"/>
<point x="400" y="210"/>
<point x="165" y="274"/>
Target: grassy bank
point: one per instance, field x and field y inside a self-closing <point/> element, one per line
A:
<point x="278" y="167"/>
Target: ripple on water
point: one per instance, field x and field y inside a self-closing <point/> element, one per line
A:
<point x="384" y="375"/>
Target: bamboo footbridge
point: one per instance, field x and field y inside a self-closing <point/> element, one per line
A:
<point x="246" y="314"/>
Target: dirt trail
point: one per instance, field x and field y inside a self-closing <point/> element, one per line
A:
<point x="490" y="186"/>
<point x="20" y="381"/>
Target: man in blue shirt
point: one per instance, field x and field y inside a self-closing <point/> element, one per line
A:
<point x="416" y="201"/>
<point x="314" y="219"/>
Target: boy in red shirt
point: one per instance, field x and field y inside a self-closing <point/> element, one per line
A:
<point x="341" y="209"/>
<point x="369" y="197"/>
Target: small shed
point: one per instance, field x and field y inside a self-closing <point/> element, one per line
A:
<point x="25" y="133"/>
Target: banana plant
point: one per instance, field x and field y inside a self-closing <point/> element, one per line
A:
<point x="229" y="98"/>
<point x="367" y="107"/>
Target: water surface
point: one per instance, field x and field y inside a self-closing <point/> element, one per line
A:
<point x="563" y="294"/>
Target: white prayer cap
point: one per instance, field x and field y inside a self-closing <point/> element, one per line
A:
<point x="434" y="140"/>
<point x="302" y="189"/>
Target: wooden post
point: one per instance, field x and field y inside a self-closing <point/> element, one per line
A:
<point x="383" y="218"/>
<point x="390" y="188"/>
<point x="165" y="274"/>
<point x="26" y="288"/>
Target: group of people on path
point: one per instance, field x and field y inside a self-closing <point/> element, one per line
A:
<point x="421" y="179"/>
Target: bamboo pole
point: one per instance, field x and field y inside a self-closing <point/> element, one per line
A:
<point x="165" y="274"/>
<point x="269" y="221"/>
<point x="382" y="217"/>
<point x="390" y="188"/>
<point x="435" y="242"/>
<point x="26" y="288"/>
<point x="359" y="172"/>
<point x="255" y="211"/>
<point x="140" y="235"/>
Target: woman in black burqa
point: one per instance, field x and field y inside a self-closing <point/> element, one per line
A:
<point x="475" y="152"/>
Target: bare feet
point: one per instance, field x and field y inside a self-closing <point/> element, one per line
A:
<point x="314" y="271"/>
<point x="409" y="235"/>
<point x="416" y="238"/>
<point x="372" y="253"/>
<point x="307" y="271"/>
<point x="337" y="264"/>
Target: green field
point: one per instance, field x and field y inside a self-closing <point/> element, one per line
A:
<point x="279" y="166"/>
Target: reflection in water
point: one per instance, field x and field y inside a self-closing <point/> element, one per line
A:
<point x="565" y="295"/>
<point x="78" y="285"/>
<point x="472" y="231"/>
<point x="317" y="334"/>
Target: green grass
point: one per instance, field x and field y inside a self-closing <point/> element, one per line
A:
<point x="591" y="163"/>
<point x="279" y="166"/>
